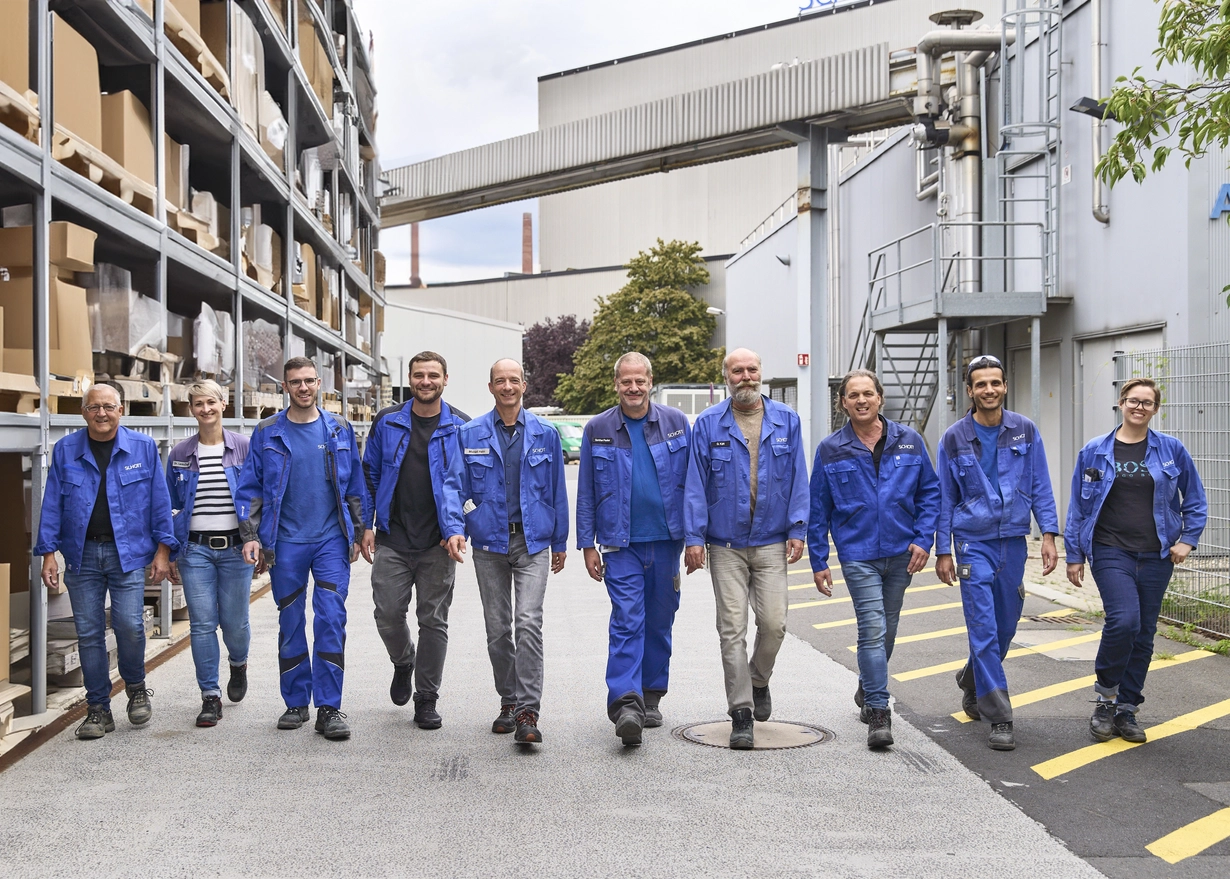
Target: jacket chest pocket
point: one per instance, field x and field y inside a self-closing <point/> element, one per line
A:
<point x="129" y="478"/>
<point x="1170" y="481"/>
<point x="780" y="462"/>
<point x="843" y="481"/>
<point x="721" y="466"/>
<point x="540" y="467"/>
<point x="604" y="465"/>
<point x="677" y="458"/>
<point x="1090" y="487"/>
<point x="73" y="488"/>
<point x="967" y="469"/>
<point x="479" y="468"/>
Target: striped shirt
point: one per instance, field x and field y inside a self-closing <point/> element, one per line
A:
<point x="214" y="508"/>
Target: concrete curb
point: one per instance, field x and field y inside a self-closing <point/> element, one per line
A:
<point x="1067" y="599"/>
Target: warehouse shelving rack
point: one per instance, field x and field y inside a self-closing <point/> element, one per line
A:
<point x="226" y="159"/>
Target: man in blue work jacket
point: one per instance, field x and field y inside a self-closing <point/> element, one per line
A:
<point x="302" y="503"/>
<point x="413" y="466"/>
<point x="746" y="500"/>
<point x="634" y="465"/>
<point x="993" y="475"/>
<point x="516" y="514"/>
<point x="107" y="510"/>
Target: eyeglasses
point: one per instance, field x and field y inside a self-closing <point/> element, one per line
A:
<point x="983" y="361"/>
<point x="301" y="382"/>
<point x="1132" y="403"/>
<point x="95" y="408"/>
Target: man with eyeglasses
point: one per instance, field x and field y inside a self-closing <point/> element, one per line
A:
<point x="993" y="475"/>
<point x="106" y="508"/>
<point x="302" y="504"/>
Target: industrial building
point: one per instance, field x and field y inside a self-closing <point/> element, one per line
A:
<point x="899" y="185"/>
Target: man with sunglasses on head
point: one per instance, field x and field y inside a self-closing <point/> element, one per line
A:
<point x="106" y="508"/>
<point x="302" y="505"/>
<point x="993" y="475"/>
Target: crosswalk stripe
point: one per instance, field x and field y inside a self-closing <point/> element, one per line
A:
<point x="958" y="664"/>
<point x="846" y="599"/>
<point x="1032" y="696"/>
<point x="1192" y="839"/>
<point x="1073" y="760"/>
<point x="925" y="636"/>
<point x="836" y="624"/>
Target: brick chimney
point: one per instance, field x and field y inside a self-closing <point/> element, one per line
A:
<point x="527" y="244"/>
<point x="415" y="280"/>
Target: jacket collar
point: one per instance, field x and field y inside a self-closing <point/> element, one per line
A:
<point x="402" y="417"/>
<point x="278" y="428"/>
<point x="122" y="444"/>
<point x="1106" y="445"/>
<point x="1010" y="421"/>
<point x="193" y="443"/>
<point x="846" y="436"/>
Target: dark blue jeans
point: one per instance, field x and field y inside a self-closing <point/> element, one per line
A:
<point x="217" y="587"/>
<point x="100" y="573"/>
<point x="1132" y="586"/>
<point x="877" y="589"/>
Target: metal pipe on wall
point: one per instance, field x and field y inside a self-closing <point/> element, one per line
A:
<point x="1101" y="198"/>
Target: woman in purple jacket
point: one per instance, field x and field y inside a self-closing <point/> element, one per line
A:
<point x="202" y="473"/>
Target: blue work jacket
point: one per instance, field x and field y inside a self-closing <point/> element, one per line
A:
<point x="386" y="450"/>
<point x="184" y="471"/>
<point x="871" y="517"/>
<point x="136" y="492"/>
<point x="970" y="509"/>
<point x="1180" y="508"/>
<point x="604" y="486"/>
<point x="262" y="483"/>
<point x="544" y="496"/>
<point x="718" y="504"/>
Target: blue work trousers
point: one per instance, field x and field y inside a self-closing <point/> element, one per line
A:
<point x="877" y="589"/>
<point x="643" y="582"/>
<point x="100" y="573"/>
<point x="1132" y="585"/>
<point x="992" y="597"/>
<point x="318" y="679"/>
<point x="218" y="589"/>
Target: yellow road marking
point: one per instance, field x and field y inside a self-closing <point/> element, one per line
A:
<point x="925" y="636"/>
<point x="1193" y="838"/>
<point x="1073" y="760"/>
<point x="1032" y="696"/>
<point x="836" y="624"/>
<point x="958" y="664"/>
<point x="846" y="599"/>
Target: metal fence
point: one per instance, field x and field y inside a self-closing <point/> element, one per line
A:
<point x="1195" y="385"/>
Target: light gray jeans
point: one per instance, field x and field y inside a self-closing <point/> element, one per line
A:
<point x="512" y="588"/>
<point x="754" y="576"/>
<point x="394" y="578"/>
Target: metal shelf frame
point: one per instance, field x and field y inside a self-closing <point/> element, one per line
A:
<point x="122" y="34"/>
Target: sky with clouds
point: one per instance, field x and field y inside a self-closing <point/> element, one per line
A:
<point x="456" y="75"/>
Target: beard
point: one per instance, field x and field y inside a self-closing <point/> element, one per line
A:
<point x="428" y="396"/>
<point x="745" y="393"/>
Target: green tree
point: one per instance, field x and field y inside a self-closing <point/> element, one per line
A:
<point x="653" y="313"/>
<point x="1160" y="117"/>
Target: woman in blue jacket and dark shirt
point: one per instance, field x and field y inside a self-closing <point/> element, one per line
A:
<point x="874" y="489"/>
<point x="1137" y="510"/>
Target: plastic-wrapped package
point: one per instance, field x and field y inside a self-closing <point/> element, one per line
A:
<point x="214" y="343"/>
<point x="328" y="375"/>
<point x="298" y="346"/>
<point x="311" y="176"/>
<point x="273" y="128"/>
<point x="226" y="343"/>
<point x="262" y="353"/>
<point x="121" y="319"/>
<point x="248" y="75"/>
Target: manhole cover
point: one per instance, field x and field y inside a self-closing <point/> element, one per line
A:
<point x="1072" y="619"/>
<point x="770" y="736"/>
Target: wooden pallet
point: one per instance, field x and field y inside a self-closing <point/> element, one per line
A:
<point x="18" y="393"/>
<point x="193" y="48"/>
<point x="19" y="112"/>
<point x="92" y="163"/>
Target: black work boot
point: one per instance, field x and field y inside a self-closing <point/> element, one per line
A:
<point x="139" y="708"/>
<point x="653" y="714"/>
<point x="505" y="722"/>
<point x="969" y="695"/>
<point x="211" y="710"/>
<point x="879" y="728"/>
<point x="628" y="727"/>
<point x="1102" y="724"/>
<point x="742" y="735"/>
<point x="1128" y="728"/>
<point x="293" y="718"/>
<point x="399" y="690"/>
<point x="527" y="728"/>
<point x="763" y="702"/>
<point x="1001" y="738"/>
<point x="98" y="722"/>
<point x="858" y="696"/>
<point x="425" y="714"/>
<point x="237" y="686"/>
<point x="331" y="723"/>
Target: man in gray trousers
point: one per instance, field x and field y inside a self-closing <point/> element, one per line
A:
<point x="413" y="467"/>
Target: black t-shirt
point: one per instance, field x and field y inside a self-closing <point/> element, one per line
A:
<point x="414" y="524"/>
<point x="1126" y="519"/>
<point x="100" y="519"/>
<point x="878" y="452"/>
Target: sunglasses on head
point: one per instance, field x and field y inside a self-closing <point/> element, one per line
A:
<point x="983" y="361"/>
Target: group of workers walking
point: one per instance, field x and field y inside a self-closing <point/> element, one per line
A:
<point x="730" y="493"/>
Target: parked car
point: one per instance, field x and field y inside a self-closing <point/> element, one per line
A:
<point x="570" y="439"/>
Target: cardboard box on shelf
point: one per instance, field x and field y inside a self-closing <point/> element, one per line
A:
<point x="15" y="539"/>
<point x="68" y="327"/>
<point x="304" y="284"/>
<point x="191" y="11"/>
<point x="71" y="246"/>
<point x="127" y="136"/>
<point x="15" y="46"/>
<point x="214" y="28"/>
<point x="277" y="9"/>
<point x="78" y="103"/>
<point x="177" y="174"/>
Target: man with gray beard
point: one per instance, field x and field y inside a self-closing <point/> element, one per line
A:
<point x="746" y="502"/>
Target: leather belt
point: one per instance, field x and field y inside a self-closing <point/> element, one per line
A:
<point x="214" y="539"/>
<point x="515" y="528"/>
